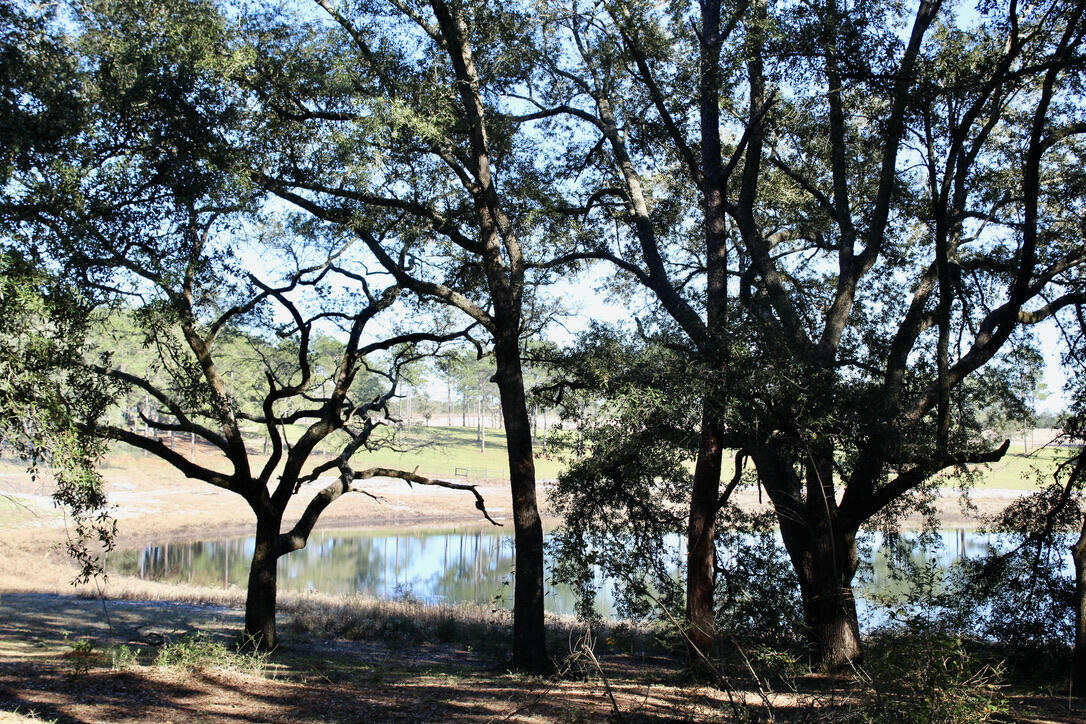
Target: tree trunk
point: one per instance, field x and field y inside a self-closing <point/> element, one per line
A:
<point x="701" y="543"/>
<point x="529" y="635"/>
<point x="825" y="562"/>
<point x="1078" y="666"/>
<point x="260" y="600"/>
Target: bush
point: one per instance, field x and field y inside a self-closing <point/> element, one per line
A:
<point x="81" y="657"/>
<point x="124" y="657"/>
<point x="757" y="590"/>
<point x="197" y="651"/>
<point x="921" y="673"/>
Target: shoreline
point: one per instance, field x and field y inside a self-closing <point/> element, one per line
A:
<point x="152" y="504"/>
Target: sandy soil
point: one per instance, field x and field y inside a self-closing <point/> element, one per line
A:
<point x="308" y="681"/>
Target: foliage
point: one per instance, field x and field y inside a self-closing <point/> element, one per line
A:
<point x="835" y="255"/>
<point x="41" y="106"/>
<point x="198" y="651"/>
<point x="828" y="220"/>
<point x="921" y="673"/>
<point x="149" y="216"/>
<point x="622" y="496"/>
<point x="1024" y="590"/>
<point x="124" y="657"/>
<point x="47" y="400"/>
<point x="757" y="593"/>
<point x="81" y="657"/>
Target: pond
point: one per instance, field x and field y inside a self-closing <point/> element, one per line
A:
<point x="451" y="565"/>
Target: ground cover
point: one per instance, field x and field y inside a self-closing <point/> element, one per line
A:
<point x="441" y="450"/>
<point x="1019" y="470"/>
<point x="67" y="656"/>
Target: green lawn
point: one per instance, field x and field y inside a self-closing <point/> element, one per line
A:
<point x="438" y="451"/>
<point x="442" y="449"/>
<point x="1018" y="471"/>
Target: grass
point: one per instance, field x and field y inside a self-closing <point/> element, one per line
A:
<point x="1017" y="470"/>
<point x="198" y="651"/>
<point x="404" y="622"/>
<point x="440" y="450"/>
<point x="30" y="715"/>
<point x="17" y="511"/>
<point x="436" y="451"/>
<point x="358" y="618"/>
<point x="416" y="656"/>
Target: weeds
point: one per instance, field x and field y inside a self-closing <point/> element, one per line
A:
<point x="123" y="657"/>
<point x="405" y="621"/>
<point x="81" y="657"/>
<point x="921" y="674"/>
<point x="32" y="715"/>
<point x="198" y="651"/>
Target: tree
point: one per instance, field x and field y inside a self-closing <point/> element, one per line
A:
<point x="662" y="248"/>
<point x="1076" y="480"/>
<point x="399" y="137"/>
<point x="426" y="407"/>
<point x="45" y="397"/>
<point x="891" y="202"/>
<point x="622" y="497"/>
<point x="43" y="319"/>
<point x="148" y="213"/>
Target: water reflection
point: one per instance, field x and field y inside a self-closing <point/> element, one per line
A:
<point x="431" y="566"/>
<point x="451" y="566"/>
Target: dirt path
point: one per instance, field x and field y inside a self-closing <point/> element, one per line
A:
<point x="44" y="670"/>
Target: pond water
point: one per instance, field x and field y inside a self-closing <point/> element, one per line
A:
<point x="434" y="566"/>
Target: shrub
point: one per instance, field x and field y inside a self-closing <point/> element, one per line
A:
<point x="921" y="673"/>
<point x="81" y="657"/>
<point x="124" y="657"/>
<point x="197" y="651"/>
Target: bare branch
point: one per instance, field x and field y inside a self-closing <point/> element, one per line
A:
<point x="413" y="478"/>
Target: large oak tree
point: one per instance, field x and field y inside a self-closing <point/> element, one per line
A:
<point x="899" y="192"/>
<point x="391" y="124"/>
<point x="146" y="213"/>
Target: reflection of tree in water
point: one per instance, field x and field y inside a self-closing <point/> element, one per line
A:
<point x="336" y="563"/>
<point x="444" y="567"/>
<point x="219" y="563"/>
<point x="474" y="567"/>
<point x="891" y="559"/>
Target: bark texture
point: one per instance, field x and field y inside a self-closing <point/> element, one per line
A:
<point x="1078" y="666"/>
<point x="260" y="598"/>
<point x="529" y="634"/>
<point x="700" y="544"/>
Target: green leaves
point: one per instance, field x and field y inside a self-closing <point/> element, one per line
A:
<point x="42" y="101"/>
<point x="48" y="404"/>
